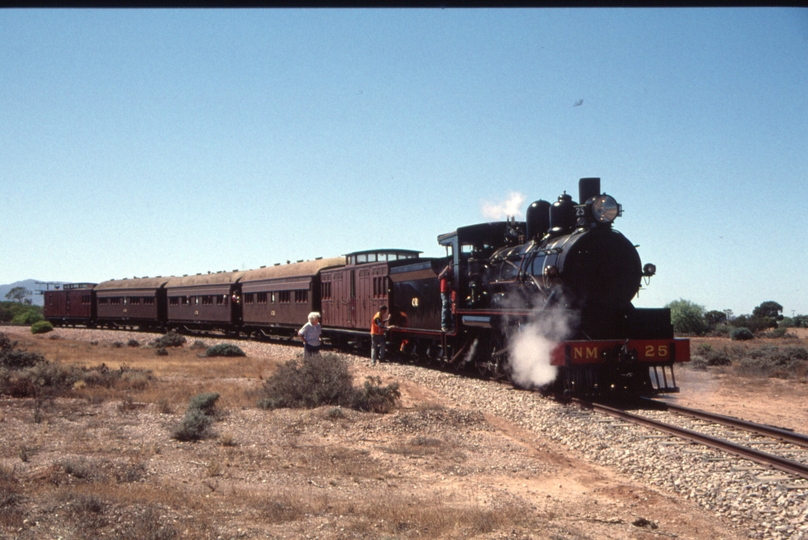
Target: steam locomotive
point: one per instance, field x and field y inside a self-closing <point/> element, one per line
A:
<point x="544" y="302"/>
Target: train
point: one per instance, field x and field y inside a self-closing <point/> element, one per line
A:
<point x="544" y="303"/>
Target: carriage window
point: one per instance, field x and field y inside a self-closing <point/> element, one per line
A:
<point x="261" y="298"/>
<point x="284" y="297"/>
<point x="103" y="301"/>
<point x="380" y="287"/>
<point x="174" y="301"/>
<point x="148" y="301"/>
<point x="248" y="298"/>
<point x="301" y="297"/>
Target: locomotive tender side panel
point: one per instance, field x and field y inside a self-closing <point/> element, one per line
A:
<point x="416" y="292"/>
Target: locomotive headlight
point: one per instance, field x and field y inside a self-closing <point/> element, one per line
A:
<point x="605" y="209"/>
<point x="649" y="270"/>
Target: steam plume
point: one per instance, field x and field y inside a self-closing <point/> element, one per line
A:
<point x="531" y="347"/>
<point x="504" y="209"/>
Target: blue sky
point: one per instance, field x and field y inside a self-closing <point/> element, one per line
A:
<point x="170" y="142"/>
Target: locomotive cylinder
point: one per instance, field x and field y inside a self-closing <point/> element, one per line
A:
<point x="538" y="220"/>
<point x="562" y="215"/>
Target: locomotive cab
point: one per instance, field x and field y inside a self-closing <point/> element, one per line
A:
<point x="470" y="249"/>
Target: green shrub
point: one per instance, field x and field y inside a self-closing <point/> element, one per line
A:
<point x="687" y="317"/>
<point x="197" y="421"/>
<point x="9" y="311"/>
<point x="204" y="402"/>
<point x="27" y="318"/>
<point x="170" y="339"/>
<point x="41" y="327"/>
<point x="193" y="427"/>
<point x="224" y="349"/>
<point x="198" y="344"/>
<point x="741" y="334"/>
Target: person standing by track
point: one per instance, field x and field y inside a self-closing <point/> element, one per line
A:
<point x="310" y="334"/>
<point x="446" y="278"/>
<point x="378" y="325"/>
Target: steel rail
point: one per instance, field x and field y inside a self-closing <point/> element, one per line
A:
<point x="761" y="429"/>
<point x="763" y="458"/>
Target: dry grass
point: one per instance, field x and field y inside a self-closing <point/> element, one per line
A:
<point x="101" y="461"/>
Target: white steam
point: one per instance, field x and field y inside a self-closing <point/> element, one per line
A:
<point x="531" y="348"/>
<point x="512" y="206"/>
<point x="472" y="350"/>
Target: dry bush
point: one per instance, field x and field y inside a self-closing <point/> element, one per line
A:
<point x="418" y="446"/>
<point x="324" y="379"/>
<point x="12" y="359"/>
<point x="24" y="374"/>
<point x="312" y="381"/>
<point x="772" y="361"/>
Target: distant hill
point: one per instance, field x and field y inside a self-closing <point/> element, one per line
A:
<point x="30" y="284"/>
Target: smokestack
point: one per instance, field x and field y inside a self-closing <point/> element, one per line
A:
<point x="588" y="188"/>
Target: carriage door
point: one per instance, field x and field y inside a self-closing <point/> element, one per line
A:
<point x="353" y="314"/>
<point x="365" y="308"/>
<point x="338" y="307"/>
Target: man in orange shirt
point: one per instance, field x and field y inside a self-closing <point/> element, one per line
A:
<point x="377" y="327"/>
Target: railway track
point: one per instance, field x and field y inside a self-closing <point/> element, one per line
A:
<point x="745" y="451"/>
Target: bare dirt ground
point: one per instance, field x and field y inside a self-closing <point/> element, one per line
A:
<point x="102" y="463"/>
<point x="777" y="402"/>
